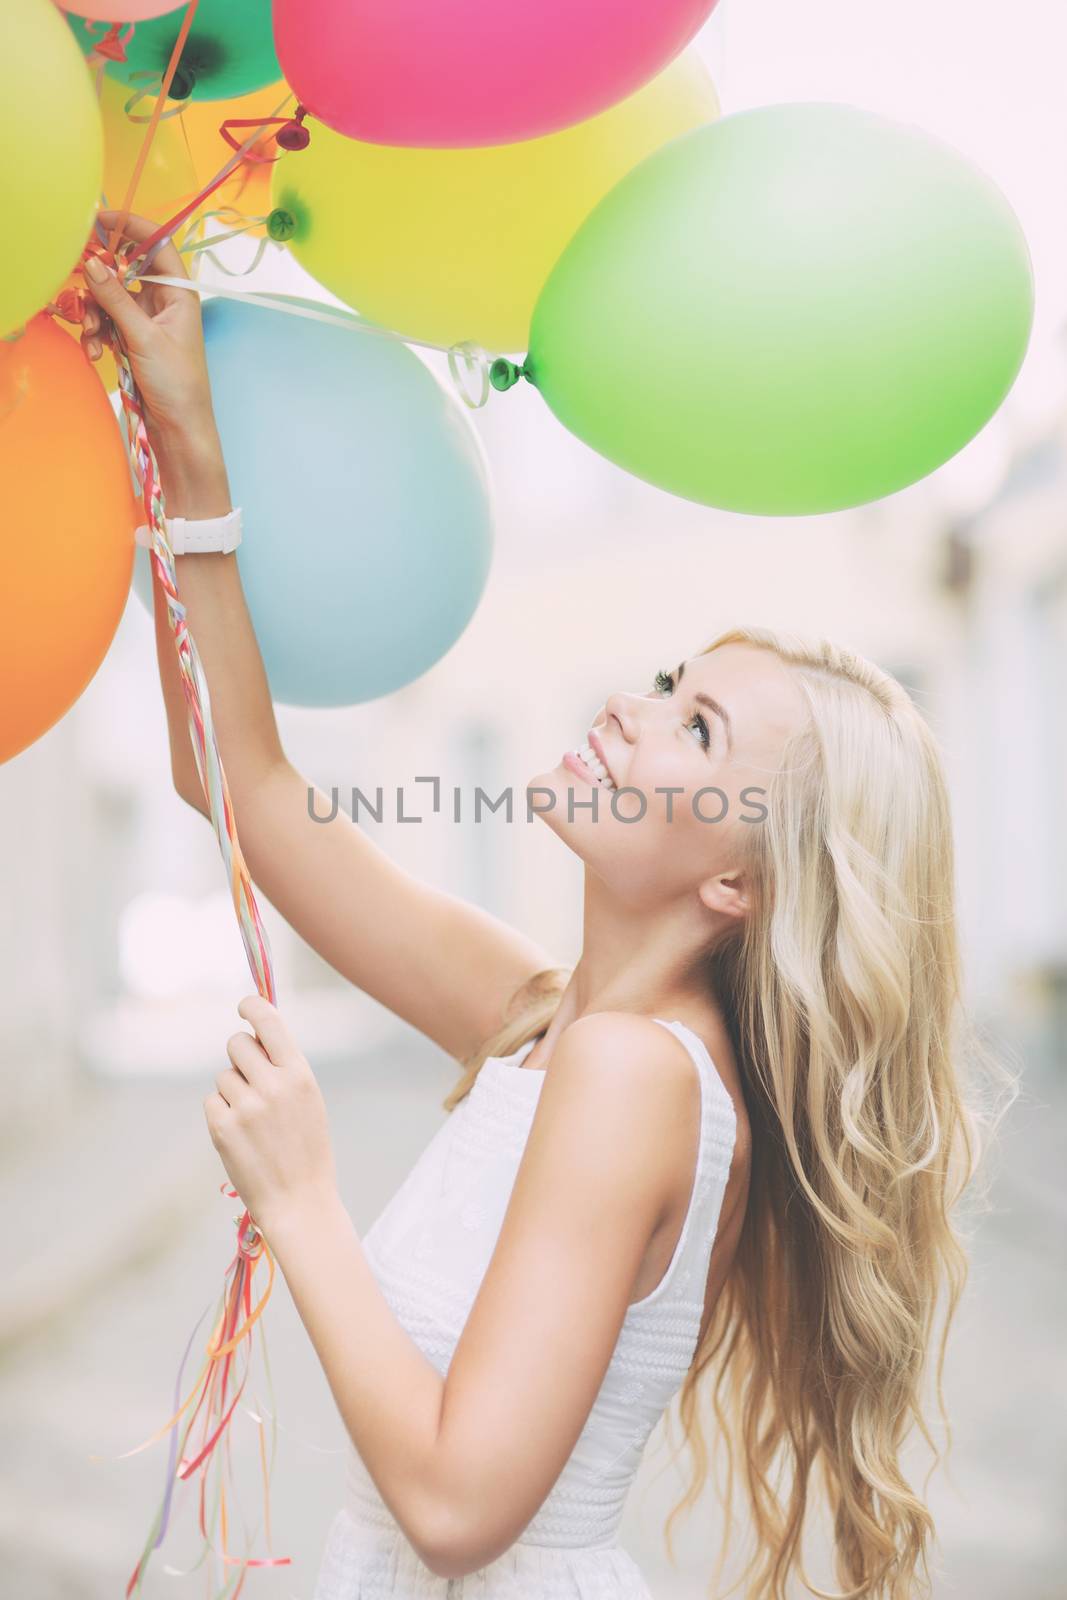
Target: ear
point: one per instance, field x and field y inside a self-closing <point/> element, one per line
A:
<point x="727" y="894"/>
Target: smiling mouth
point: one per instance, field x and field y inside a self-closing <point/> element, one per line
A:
<point x="594" y="766"/>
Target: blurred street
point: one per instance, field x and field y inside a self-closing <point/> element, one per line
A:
<point x="94" y="1375"/>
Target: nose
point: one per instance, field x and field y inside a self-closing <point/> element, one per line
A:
<point x="625" y="709"/>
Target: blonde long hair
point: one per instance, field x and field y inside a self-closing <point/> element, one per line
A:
<point x="842" y="993"/>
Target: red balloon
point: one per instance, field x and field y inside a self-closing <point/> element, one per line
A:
<point x="473" y="72"/>
<point x="119" y="10"/>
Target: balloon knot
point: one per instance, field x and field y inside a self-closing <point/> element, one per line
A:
<point x="281" y="225"/>
<point x="112" y="44"/>
<point x="505" y="374"/>
<point x="293" y="135"/>
<point x="183" y="82"/>
<point x="70" y="305"/>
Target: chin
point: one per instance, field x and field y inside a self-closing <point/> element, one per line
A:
<point x="557" y="780"/>
<point x="552" y="779"/>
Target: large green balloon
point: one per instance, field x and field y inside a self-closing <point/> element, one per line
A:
<point x="795" y="309"/>
<point x="229" y="50"/>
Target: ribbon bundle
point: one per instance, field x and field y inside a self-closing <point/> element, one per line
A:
<point x="215" y="1393"/>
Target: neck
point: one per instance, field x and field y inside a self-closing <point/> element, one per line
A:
<point x="638" y="960"/>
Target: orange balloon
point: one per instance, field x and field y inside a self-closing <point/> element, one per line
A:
<point x="104" y="368"/>
<point x="66" y="530"/>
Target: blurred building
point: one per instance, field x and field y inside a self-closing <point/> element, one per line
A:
<point x="121" y="951"/>
<point x="121" y="964"/>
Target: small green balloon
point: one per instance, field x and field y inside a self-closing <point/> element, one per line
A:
<point x="229" y="50"/>
<point x="792" y="310"/>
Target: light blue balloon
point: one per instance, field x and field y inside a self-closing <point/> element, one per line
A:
<point x="365" y="503"/>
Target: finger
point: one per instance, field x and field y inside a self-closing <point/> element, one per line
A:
<point x="96" y="322"/>
<point x="232" y="1086"/>
<point x="271" y="1029"/>
<point x="165" y="260"/>
<point x="105" y="288"/>
<point x="215" y="1113"/>
<point x="250" y="1059"/>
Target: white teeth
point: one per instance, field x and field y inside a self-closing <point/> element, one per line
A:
<point x="595" y="765"/>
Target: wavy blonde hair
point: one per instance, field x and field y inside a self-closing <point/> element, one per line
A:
<point x="868" y="1095"/>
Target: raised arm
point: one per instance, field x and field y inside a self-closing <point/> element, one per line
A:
<point x="445" y="966"/>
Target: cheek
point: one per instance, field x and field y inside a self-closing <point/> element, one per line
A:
<point x="685" y="773"/>
<point x="689" y="825"/>
<point x="670" y="828"/>
<point x="663" y="768"/>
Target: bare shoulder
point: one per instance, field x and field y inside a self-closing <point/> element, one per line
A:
<point x="620" y="1042"/>
<point x="626" y="1076"/>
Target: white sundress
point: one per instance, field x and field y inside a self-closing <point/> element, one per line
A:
<point x="429" y="1250"/>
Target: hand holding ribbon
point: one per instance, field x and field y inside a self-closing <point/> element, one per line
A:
<point x="267" y="1120"/>
<point x="162" y="330"/>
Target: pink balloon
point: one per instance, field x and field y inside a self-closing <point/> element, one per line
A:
<point x="473" y="72"/>
<point x="118" y="10"/>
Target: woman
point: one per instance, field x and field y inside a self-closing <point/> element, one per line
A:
<point x="598" y="1226"/>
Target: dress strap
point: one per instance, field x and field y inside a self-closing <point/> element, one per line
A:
<point x="716" y="1096"/>
<point x="714" y="1154"/>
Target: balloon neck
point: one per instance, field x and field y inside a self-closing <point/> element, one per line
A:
<point x="281" y="224"/>
<point x="70" y="305"/>
<point x="183" y="82"/>
<point x="112" y="44"/>
<point x="294" y="136"/>
<point x="505" y="374"/>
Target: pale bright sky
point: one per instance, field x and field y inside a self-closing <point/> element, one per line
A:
<point x="988" y="77"/>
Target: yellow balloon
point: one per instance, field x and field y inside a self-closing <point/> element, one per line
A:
<point x="451" y="245"/>
<point x="52" y="156"/>
<point x="167" y="177"/>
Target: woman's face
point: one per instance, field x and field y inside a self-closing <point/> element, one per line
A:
<point x="686" y="764"/>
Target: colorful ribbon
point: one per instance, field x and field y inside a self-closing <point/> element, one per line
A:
<point x="215" y="1393"/>
<point x="236" y="1318"/>
<point x="211" y="1389"/>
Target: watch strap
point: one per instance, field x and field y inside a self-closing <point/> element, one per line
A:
<point x="198" y="535"/>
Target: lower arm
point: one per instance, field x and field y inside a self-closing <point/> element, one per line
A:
<point x="388" y="1393"/>
<point x="194" y="481"/>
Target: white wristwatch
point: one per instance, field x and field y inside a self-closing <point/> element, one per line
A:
<point x="197" y="536"/>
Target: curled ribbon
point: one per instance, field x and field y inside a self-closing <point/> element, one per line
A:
<point x="151" y="89"/>
<point x="469" y="365"/>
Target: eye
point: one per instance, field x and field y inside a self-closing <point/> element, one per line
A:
<point x="663" y="683"/>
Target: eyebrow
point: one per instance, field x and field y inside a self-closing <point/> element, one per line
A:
<point x="703" y="699"/>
